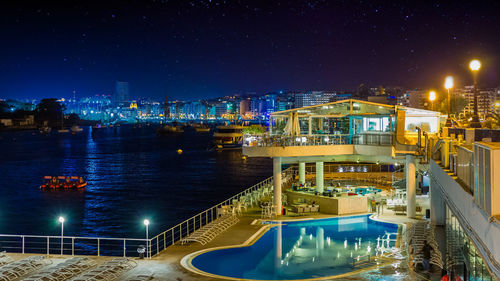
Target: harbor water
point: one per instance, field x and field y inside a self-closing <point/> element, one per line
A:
<point x="132" y="174"/>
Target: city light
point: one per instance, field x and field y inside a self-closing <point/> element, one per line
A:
<point x="146" y="223"/>
<point x="432" y="96"/>
<point x="61" y="220"/>
<point x="475" y="65"/>
<point x="448" y="82"/>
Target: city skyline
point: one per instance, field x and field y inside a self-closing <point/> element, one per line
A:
<point x="206" y="49"/>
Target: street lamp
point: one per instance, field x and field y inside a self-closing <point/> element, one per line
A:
<point x="146" y="223"/>
<point x="448" y="84"/>
<point x="61" y="220"/>
<point x="432" y="97"/>
<point x="474" y="66"/>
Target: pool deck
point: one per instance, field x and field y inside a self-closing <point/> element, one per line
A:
<point x="166" y="265"/>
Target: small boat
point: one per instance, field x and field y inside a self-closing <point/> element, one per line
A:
<point x="62" y="183"/>
<point x="169" y="129"/>
<point x="45" y="130"/>
<point x="200" y="128"/>
<point x="110" y="126"/>
<point x="76" y="129"/>
<point x="63" y="131"/>
<point x="228" y="137"/>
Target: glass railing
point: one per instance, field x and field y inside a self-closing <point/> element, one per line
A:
<point x="266" y="140"/>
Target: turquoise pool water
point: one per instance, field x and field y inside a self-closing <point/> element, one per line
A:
<point x="302" y="249"/>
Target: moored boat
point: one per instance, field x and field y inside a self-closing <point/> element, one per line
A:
<point x="45" y="130"/>
<point x="168" y="129"/>
<point x="201" y="128"/>
<point x="62" y="182"/>
<point x="230" y="136"/>
<point x="76" y="129"/>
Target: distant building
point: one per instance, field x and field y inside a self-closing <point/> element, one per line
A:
<point x="390" y="100"/>
<point x="121" y="92"/>
<point x="313" y="98"/>
<point x="485" y="100"/>
<point x="244" y="107"/>
<point x="413" y="98"/>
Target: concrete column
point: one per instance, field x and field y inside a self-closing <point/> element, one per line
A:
<point x="319" y="177"/>
<point x="277" y="184"/>
<point x="302" y="172"/>
<point x="438" y="207"/>
<point x="411" y="199"/>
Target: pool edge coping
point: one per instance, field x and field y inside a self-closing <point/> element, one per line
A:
<point x="186" y="261"/>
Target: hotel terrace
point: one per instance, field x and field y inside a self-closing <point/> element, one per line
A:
<point x="357" y="188"/>
<point x="407" y="150"/>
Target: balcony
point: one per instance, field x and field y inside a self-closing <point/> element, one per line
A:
<point x="266" y="140"/>
<point x="318" y="145"/>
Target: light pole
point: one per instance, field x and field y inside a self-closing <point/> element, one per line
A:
<point x="432" y="97"/>
<point x="146" y="223"/>
<point x="474" y="66"/>
<point x="448" y="84"/>
<point x="61" y="220"/>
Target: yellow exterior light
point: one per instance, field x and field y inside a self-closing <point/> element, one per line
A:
<point x="448" y="83"/>
<point x="432" y="96"/>
<point x="475" y="65"/>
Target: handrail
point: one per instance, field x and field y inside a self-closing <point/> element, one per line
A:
<point x="70" y="237"/>
<point x="57" y="244"/>
<point x="267" y="140"/>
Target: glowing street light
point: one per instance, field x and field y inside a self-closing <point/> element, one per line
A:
<point x="146" y="223"/>
<point x="448" y="84"/>
<point x="432" y="98"/>
<point x="61" y="220"/>
<point x="474" y="66"/>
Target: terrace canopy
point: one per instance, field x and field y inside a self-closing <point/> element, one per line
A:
<point x="345" y="117"/>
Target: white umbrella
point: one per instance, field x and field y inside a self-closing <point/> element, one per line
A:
<point x="296" y="125"/>
<point x="289" y="126"/>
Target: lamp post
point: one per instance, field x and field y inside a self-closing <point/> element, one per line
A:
<point x="146" y="223"/>
<point x="448" y="84"/>
<point x="432" y="97"/>
<point x="61" y="220"/>
<point x="474" y="66"/>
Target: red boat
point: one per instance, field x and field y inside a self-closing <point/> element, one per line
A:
<point x="61" y="182"/>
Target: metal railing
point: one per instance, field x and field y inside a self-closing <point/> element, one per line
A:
<point x="267" y="140"/>
<point x="70" y="245"/>
<point x="174" y="234"/>
<point x="126" y="247"/>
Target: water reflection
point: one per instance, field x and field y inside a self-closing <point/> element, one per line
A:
<point x="131" y="174"/>
<point x="299" y="250"/>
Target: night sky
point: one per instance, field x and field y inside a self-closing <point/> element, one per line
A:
<point x="200" y="49"/>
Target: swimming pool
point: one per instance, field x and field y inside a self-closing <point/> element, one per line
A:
<point x="300" y="250"/>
